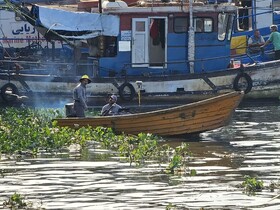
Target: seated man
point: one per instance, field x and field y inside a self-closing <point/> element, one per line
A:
<point x="112" y="108"/>
<point x="255" y="42"/>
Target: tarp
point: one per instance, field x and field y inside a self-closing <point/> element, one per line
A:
<point x="238" y="45"/>
<point x="76" y="25"/>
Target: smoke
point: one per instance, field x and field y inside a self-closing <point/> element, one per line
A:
<point x="49" y="101"/>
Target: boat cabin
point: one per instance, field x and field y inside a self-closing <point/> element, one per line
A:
<point x="163" y="39"/>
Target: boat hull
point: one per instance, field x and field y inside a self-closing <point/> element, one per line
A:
<point x="192" y="118"/>
<point x="264" y="82"/>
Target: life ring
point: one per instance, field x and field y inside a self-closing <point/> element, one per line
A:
<point x="238" y="86"/>
<point x="127" y="91"/>
<point x="13" y="92"/>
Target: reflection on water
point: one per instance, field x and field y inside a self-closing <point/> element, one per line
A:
<point x="250" y="145"/>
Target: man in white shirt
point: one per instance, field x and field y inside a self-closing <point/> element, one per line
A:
<point x="255" y="42"/>
<point x="112" y="108"/>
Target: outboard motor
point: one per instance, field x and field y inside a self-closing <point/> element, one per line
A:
<point x="69" y="110"/>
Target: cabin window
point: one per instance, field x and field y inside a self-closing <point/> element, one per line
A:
<point x="208" y="25"/>
<point x="181" y="24"/>
<point x="198" y="25"/>
<point x="203" y="25"/>
<point x="230" y="26"/>
<point x="19" y="17"/>
<point x="111" y="46"/>
<point x="244" y="22"/>
<point x="103" y="46"/>
<point x="276" y="9"/>
<point x="140" y="26"/>
<point x="276" y="5"/>
<point x="222" y="25"/>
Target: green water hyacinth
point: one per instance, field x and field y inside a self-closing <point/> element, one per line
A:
<point x="18" y="201"/>
<point x="28" y="131"/>
<point x="251" y="185"/>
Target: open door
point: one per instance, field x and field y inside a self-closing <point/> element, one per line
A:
<point x="266" y="17"/>
<point x="157" y="42"/>
<point x="149" y="42"/>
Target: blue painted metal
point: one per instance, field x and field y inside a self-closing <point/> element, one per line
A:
<point x="217" y="1"/>
<point x="176" y="57"/>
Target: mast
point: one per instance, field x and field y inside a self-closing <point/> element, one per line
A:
<point x="100" y="6"/>
<point x="191" y="46"/>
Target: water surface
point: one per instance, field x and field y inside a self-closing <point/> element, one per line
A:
<point x="250" y="145"/>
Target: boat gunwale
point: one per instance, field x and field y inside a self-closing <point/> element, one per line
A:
<point x="163" y="111"/>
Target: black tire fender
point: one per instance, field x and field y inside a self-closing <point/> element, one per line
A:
<point x="12" y="89"/>
<point x="127" y="95"/>
<point x="248" y="81"/>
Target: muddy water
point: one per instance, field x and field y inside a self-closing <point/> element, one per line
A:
<point x="250" y="145"/>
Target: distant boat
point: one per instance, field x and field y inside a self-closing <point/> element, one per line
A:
<point x="163" y="51"/>
<point x="19" y="40"/>
<point x="191" y="118"/>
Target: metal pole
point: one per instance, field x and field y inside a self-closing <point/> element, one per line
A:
<point x="191" y="39"/>
<point x="100" y="6"/>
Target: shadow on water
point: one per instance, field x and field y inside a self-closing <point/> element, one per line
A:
<point x="184" y="138"/>
<point x="249" y="145"/>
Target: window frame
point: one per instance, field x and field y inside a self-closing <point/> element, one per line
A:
<point x="203" y="19"/>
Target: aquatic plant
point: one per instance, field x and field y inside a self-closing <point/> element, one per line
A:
<point x="105" y="136"/>
<point x="274" y="185"/>
<point x="251" y="185"/>
<point x="16" y="201"/>
<point x="139" y="148"/>
<point x="30" y="131"/>
<point x="180" y="159"/>
<point x="145" y="147"/>
<point x="170" y="206"/>
<point x="134" y="148"/>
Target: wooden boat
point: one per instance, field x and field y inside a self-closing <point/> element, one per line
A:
<point x="191" y="118"/>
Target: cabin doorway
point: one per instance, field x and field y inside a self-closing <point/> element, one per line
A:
<point x="149" y="42"/>
<point x="266" y="17"/>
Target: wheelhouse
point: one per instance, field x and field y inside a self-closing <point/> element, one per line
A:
<point x="156" y="41"/>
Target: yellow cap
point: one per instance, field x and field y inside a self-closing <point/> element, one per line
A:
<point x="85" y="77"/>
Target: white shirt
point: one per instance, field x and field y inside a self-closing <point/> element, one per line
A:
<point x="110" y="109"/>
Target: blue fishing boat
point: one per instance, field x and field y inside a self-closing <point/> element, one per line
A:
<point x="150" y="52"/>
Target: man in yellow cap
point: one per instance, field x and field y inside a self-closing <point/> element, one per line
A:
<point x="79" y="96"/>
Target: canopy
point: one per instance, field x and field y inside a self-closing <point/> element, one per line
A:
<point x="76" y="25"/>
